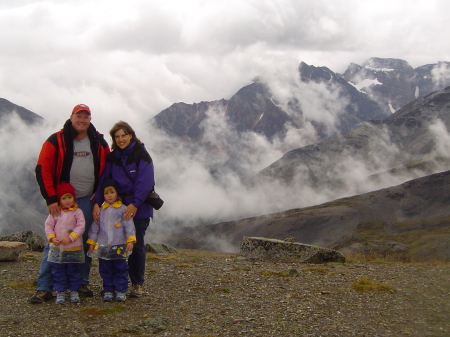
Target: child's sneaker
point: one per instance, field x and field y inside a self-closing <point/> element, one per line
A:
<point x="107" y="297"/>
<point x="120" y="297"/>
<point x="74" y="297"/>
<point x="60" y="297"/>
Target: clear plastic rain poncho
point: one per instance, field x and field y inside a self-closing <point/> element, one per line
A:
<point x="111" y="233"/>
<point x="58" y="254"/>
<point x="110" y="252"/>
<point x="70" y="253"/>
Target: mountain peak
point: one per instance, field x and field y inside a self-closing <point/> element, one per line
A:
<point x="393" y="83"/>
<point x="7" y="108"/>
<point x="386" y="64"/>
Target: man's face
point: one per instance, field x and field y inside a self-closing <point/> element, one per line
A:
<point x="81" y="121"/>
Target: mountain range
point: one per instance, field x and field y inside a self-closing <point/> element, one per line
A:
<point x="371" y="91"/>
<point x="360" y="145"/>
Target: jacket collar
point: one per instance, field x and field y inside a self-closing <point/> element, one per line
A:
<point x="74" y="207"/>
<point x="72" y="133"/>
<point x="115" y="205"/>
<point x="126" y="151"/>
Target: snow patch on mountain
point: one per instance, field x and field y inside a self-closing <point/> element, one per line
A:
<point x="365" y="83"/>
<point x="378" y="69"/>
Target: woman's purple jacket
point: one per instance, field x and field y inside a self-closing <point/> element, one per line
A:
<point x="139" y="165"/>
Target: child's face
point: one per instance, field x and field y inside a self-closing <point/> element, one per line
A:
<point x="67" y="200"/>
<point x="110" y="195"/>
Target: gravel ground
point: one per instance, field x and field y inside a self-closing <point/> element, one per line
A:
<point x="197" y="293"/>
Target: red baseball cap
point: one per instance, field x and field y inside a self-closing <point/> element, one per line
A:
<point x="81" y="107"/>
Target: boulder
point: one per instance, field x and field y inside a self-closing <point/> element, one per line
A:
<point x="34" y="241"/>
<point x="264" y="248"/>
<point x="10" y="250"/>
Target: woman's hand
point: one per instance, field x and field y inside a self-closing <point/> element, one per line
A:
<point x="130" y="212"/>
<point x="130" y="246"/>
<point x="96" y="213"/>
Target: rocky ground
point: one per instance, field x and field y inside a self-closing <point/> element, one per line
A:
<point x="199" y="294"/>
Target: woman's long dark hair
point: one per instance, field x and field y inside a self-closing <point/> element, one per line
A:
<point x="121" y="125"/>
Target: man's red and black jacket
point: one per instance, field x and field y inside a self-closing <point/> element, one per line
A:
<point x="56" y="156"/>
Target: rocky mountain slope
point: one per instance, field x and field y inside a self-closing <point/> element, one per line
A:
<point x="252" y="108"/>
<point x="409" y="143"/>
<point x="7" y="108"/>
<point x="411" y="220"/>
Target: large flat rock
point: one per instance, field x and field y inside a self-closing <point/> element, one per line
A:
<point x="264" y="248"/>
<point x="10" y="250"/>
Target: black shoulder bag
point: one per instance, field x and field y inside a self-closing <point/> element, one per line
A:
<point x="153" y="198"/>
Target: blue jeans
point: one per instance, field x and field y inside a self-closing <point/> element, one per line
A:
<point x="86" y="205"/>
<point x="45" y="278"/>
<point x="136" y="261"/>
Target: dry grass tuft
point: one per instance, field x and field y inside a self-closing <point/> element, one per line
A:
<point x="92" y="312"/>
<point x="276" y="273"/>
<point x="365" y="284"/>
<point x="22" y="284"/>
<point x="153" y="256"/>
<point x="318" y="270"/>
<point x="375" y="257"/>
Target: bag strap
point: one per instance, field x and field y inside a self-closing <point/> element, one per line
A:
<point x="131" y="179"/>
<point x="126" y="172"/>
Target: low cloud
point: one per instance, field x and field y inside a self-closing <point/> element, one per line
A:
<point x="20" y="205"/>
<point x="319" y="103"/>
<point x="441" y="138"/>
<point x="441" y="75"/>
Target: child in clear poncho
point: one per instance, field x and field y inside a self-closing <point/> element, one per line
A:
<point x="111" y="240"/>
<point x="64" y="233"/>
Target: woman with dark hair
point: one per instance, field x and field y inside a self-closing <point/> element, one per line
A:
<point x="131" y="166"/>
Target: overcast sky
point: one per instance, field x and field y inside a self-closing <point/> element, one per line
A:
<point x="138" y="57"/>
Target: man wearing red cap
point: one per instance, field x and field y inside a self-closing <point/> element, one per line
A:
<point x="76" y="154"/>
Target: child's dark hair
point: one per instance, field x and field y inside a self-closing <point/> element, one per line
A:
<point x="113" y="188"/>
